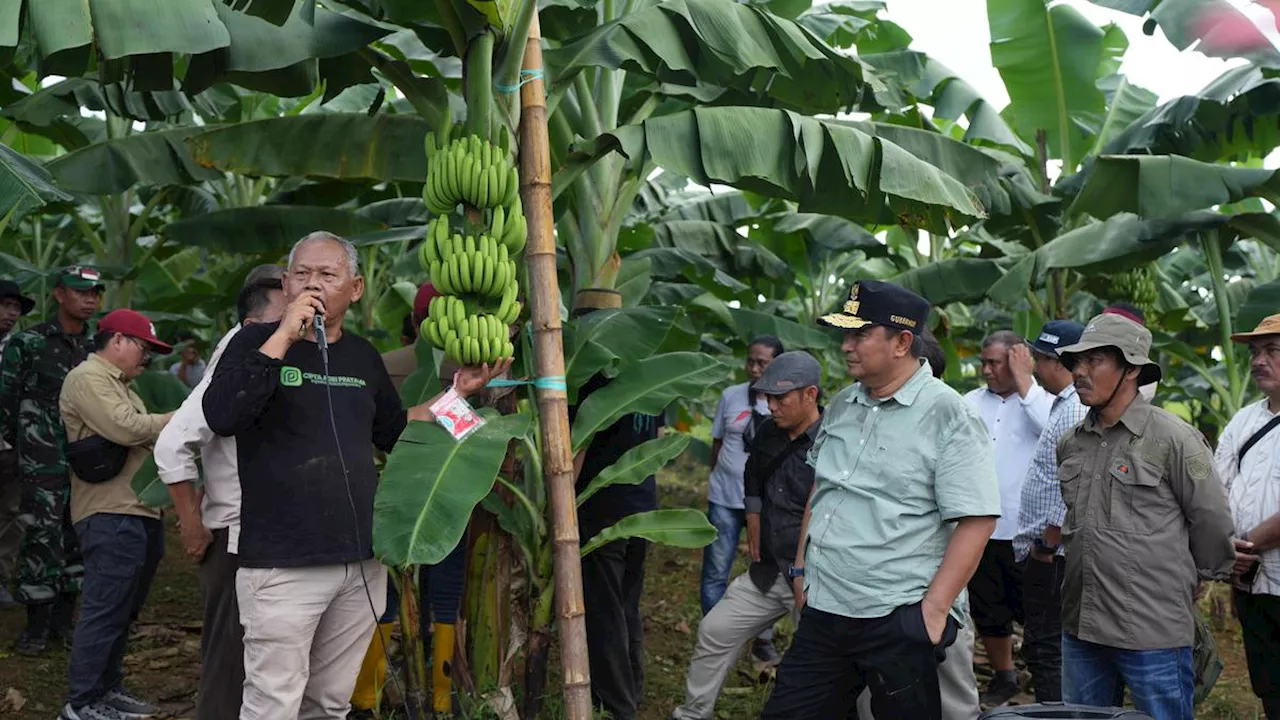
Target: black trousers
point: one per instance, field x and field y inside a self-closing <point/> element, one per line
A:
<point x="833" y="658"/>
<point x="612" y="581"/>
<point x="222" y="640"/>
<point x="995" y="591"/>
<point x="1042" y="629"/>
<point x="1260" y="627"/>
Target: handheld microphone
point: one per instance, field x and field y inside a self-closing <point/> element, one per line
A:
<point x="322" y="340"/>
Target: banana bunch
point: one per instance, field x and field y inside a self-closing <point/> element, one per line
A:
<point x="1137" y="286"/>
<point x="469" y="338"/>
<point x="468" y="170"/>
<point x="510" y="227"/>
<point x="470" y="266"/>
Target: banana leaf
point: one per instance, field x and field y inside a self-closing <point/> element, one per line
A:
<point x="158" y="157"/>
<point x="637" y="464"/>
<point x="602" y="340"/>
<point x="273" y="11"/>
<point x="725" y="44"/>
<point x="24" y="186"/>
<point x="146" y="484"/>
<point x="750" y="324"/>
<point x="1166" y="185"/>
<point x="686" y="528"/>
<point x="827" y="167"/>
<point x="356" y="147"/>
<point x="266" y="230"/>
<point x="432" y="483"/>
<point x="647" y="386"/>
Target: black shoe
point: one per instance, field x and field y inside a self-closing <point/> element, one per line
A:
<point x="999" y="692"/>
<point x="62" y="621"/>
<point x="35" y="638"/>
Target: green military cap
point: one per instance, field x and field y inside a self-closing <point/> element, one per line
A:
<point x="79" y="277"/>
<point x="1131" y="339"/>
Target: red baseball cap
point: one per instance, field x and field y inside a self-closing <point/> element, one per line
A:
<point x="136" y="325"/>
<point x="422" y="301"/>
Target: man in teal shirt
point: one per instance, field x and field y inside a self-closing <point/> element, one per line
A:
<point x="904" y="499"/>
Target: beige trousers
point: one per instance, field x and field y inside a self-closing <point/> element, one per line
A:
<point x="305" y="634"/>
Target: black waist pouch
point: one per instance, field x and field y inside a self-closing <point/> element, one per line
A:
<point x="96" y="459"/>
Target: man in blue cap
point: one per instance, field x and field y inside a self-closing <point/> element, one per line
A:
<point x="1038" y="543"/>
<point x="905" y="497"/>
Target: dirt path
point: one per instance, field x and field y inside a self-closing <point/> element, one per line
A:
<point x="163" y="663"/>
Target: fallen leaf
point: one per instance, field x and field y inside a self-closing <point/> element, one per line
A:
<point x="683" y="627"/>
<point x="13" y="701"/>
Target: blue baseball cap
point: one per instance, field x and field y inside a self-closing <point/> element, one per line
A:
<point x="1056" y="334"/>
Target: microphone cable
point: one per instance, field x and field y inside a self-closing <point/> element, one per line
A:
<point x="322" y="342"/>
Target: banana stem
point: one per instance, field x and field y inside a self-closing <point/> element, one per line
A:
<point x="1211" y="246"/>
<point x="479" y="84"/>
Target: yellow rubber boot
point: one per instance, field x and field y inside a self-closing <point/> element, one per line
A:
<point x="442" y="668"/>
<point x="373" y="671"/>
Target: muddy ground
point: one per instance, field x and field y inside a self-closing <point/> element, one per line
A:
<point x="163" y="663"/>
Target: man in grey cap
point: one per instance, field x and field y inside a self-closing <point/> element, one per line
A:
<point x="777" y="483"/>
<point x="1147" y="519"/>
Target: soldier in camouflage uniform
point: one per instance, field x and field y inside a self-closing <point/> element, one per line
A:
<point x="13" y="304"/>
<point x="35" y="364"/>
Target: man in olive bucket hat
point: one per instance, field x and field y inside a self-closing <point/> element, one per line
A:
<point x="1147" y="519"/>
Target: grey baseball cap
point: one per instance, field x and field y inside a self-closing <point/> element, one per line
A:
<point x="789" y="371"/>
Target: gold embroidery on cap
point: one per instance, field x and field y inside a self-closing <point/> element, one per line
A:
<point x="902" y="320"/>
<point x="851" y="307"/>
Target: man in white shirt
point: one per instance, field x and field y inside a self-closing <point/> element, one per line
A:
<point x="210" y="518"/>
<point x="1248" y="461"/>
<point x="1015" y="410"/>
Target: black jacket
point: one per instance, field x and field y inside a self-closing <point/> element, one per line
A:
<point x="780" y="498"/>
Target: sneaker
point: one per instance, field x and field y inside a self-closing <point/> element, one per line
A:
<point x="129" y="705"/>
<point x="999" y="692"/>
<point x="96" y="711"/>
<point x="764" y="652"/>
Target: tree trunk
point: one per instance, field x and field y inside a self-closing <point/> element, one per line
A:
<point x="553" y="409"/>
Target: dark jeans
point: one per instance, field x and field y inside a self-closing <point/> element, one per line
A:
<point x="833" y="658"/>
<point x="222" y="640"/>
<point x="1161" y="682"/>
<point x="612" y="581"/>
<point x="1260" y="627"/>
<point x="995" y="591"/>
<point x="1042" y="629"/>
<point x="121" y="553"/>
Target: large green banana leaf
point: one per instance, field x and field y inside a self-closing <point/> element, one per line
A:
<point x="432" y="483"/>
<point x="268" y="230"/>
<point x="636" y="464"/>
<point x="647" y="386"/>
<point x="600" y="341"/>
<point x="1050" y="57"/>
<point x="355" y="146"/>
<point x="1263" y="300"/>
<point x="825" y="166"/>
<point x="950" y="96"/>
<point x="62" y="101"/>
<point x="1164" y="185"/>
<point x="952" y="280"/>
<point x="273" y="11"/>
<point x="751" y="324"/>
<point x="682" y="528"/>
<point x="158" y="157"/>
<point x="722" y="43"/>
<point x="24" y="186"/>
<point x="1126" y="103"/>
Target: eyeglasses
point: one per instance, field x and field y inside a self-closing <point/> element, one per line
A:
<point x="147" y="351"/>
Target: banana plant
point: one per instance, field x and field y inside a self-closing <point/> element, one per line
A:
<point x="431" y="483"/>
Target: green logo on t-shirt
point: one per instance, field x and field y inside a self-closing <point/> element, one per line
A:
<point x="290" y="376"/>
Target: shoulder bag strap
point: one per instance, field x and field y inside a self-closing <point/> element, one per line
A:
<point x="1253" y="440"/>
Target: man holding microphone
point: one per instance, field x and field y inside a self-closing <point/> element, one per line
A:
<point x="306" y="420"/>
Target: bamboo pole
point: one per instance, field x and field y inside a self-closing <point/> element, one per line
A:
<point x="553" y="408"/>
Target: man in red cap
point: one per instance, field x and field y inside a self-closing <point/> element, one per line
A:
<point x="109" y="436"/>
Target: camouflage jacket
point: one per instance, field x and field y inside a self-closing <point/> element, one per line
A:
<point x="35" y="363"/>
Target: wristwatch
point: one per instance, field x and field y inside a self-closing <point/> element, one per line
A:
<point x="1038" y="546"/>
<point x="794" y="572"/>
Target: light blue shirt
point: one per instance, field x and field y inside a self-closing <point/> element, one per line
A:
<point x="892" y="477"/>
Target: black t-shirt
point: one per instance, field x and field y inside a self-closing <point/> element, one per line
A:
<point x="613" y="503"/>
<point x="295" y="511"/>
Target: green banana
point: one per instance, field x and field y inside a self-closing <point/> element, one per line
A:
<point x="464" y="272"/>
<point x="499" y="222"/>
<point x="470" y="245"/>
<point x="484" y="349"/>
<point x="512" y="186"/>
<point x="508" y="350"/>
<point x="477" y="273"/>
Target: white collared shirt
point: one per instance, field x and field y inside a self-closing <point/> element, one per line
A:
<point x="1253" y="487"/>
<point x="1014" y="425"/>
<point x="188" y="434"/>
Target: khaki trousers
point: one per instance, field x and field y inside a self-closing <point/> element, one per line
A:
<point x="305" y="634"/>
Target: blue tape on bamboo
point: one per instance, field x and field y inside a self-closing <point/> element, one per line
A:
<point x="551" y="382"/>
<point x="526" y="77"/>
